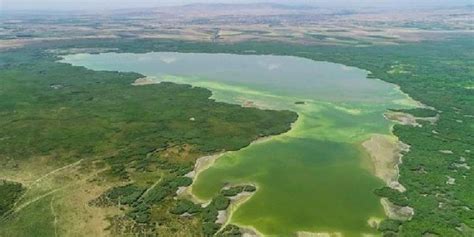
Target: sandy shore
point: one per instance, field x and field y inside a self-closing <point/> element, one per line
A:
<point x="401" y="118"/>
<point x="235" y="202"/>
<point x="385" y="151"/>
<point x="145" y="81"/>
<point x="201" y="164"/>
<point x="408" y="119"/>
<point x="396" y="212"/>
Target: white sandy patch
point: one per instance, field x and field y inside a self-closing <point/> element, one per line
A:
<point x="462" y="165"/>
<point x="449" y="152"/>
<point x="250" y="232"/>
<point x="386" y="156"/>
<point x="401" y="118"/>
<point x="451" y="180"/>
<point x="385" y="152"/>
<point x="145" y="81"/>
<point x="221" y="217"/>
<point x="396" y="212"/>
<point x="320" y="234"/>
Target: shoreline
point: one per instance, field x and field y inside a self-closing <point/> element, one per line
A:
<point x="385" y="152"/>
<point x="202" y="163"/>
<point x="205" y="162"/>
<point x="236" y="202"/>
<point x="145" y="80"/>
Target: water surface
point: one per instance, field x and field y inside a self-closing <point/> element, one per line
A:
<point x="314" y="178"/>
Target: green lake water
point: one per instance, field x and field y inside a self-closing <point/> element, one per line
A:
<point x="316" y="177"/>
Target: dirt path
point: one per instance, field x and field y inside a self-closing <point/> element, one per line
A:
<point x="35" y="182"/>
<point x="22" y="206"/>
<point x="55" y="171"/>
<point x="150" y="188"/>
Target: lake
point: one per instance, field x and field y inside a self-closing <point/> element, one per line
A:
<point x="317" y="177"/>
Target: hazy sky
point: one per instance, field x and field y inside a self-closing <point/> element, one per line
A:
<point x="117" y="4"/>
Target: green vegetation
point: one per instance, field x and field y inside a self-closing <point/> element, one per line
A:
<point x="125" y="195"/>
<point x="210" y="212"/>
<point x="9" y="193"/>
<point x="138" y="140"/>
<point x="393" y="195"/>
<point x="233" y="191"/>
<point x="185" y="206"/>
<point x="34" y="220"/>
<point x="389" y="226"/>
<point x="220" y="202"/>
<point x="229" y="231"/>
